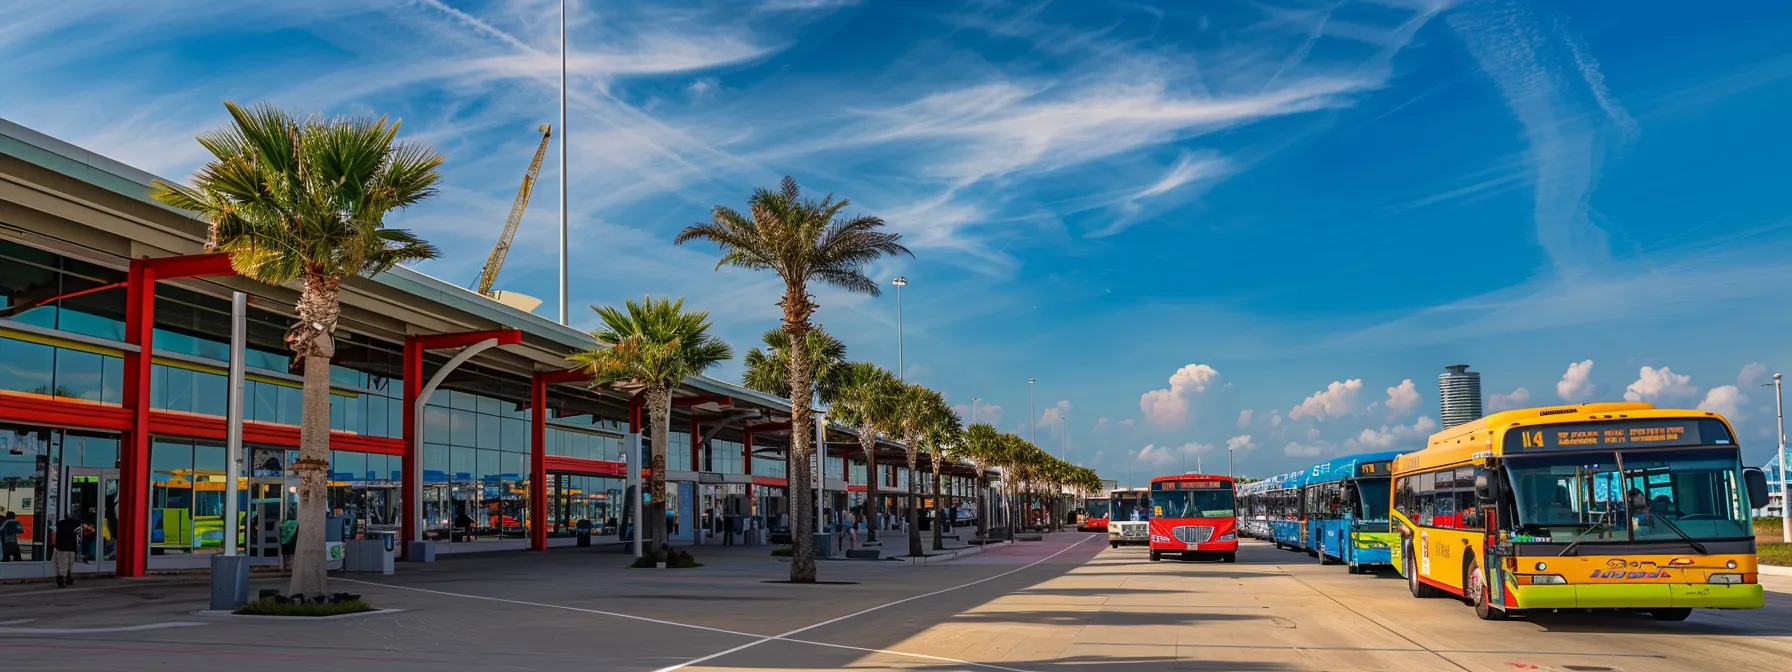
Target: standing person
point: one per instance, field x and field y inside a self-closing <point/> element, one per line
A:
<point x="10" y="529"/>
<point x="465" y="523"/>
<point x="68" y="544"/>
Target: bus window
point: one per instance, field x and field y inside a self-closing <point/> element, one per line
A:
<point x="1371" y="499"/>
<point x="1696" y="491"/>
<point x="1563" y="496"/>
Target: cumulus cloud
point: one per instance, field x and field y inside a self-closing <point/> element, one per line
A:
<point x="1240" y="443"/>
<point x="1725" y="400"/>
<point x="1504" y="402"/>
<point x="1403" y="399"/>
<point x="1312" y="433"/>
<point x="1168" y="408"/>
<point x="1397" y="436"/>
<point x="1659" y="384"/>
<point x="1101" y="424"/>
<point x="1244" y="418"/>
<point x="1165" y="457"/>
<point x="1295" y="449"/>
<point x="1335" y="401"/>
<point x="1576" y="384"/>
<point x="1127" y="422"/>
<point x="1752" y="375"/>
<point x="1054" y="416"/>
<point x="1275" y="418"/>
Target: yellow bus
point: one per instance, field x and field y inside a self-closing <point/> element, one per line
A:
<point x="1603" y="506"/>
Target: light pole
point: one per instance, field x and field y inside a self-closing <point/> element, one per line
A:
<point x="564" y="316"/>
<point x="1063" y="438"/>
<point x="1229" y="462"/>
<point x="1779" y="406"/>
<point x="974" y="401"/>
<point x="899" y="282"/>
<point x="1032" y="414"/>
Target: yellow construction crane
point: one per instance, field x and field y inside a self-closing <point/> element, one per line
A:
<point x="496" y="261"/>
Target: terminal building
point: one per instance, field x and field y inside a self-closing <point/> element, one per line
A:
<point x="114" y="349"/>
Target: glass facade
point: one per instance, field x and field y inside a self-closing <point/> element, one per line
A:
<point x="38" y="483"/>
<point x="186" y="496"/>
<point x="574" y="499"/>
<point x="475" y="466"/>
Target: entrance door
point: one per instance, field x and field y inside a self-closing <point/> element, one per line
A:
<point x="92" y="496"/>
<point x="267" y="513"/>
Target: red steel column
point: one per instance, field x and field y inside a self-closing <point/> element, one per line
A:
<point x="696" y="443"/>
<point x="746" y="453"/>
<point x="538" y="466"/>
<point x="132" y="533"/>
<point x="409" y="494"/>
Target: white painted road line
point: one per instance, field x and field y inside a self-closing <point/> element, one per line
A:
<point x="79" y="631"/>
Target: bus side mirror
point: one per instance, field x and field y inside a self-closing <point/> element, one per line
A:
<point x="1487" y="486"/>
<point x="1757" y="487"/>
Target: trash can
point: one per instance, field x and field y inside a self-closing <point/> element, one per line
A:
<point x="377" y="554"/>
<point x="824" y="544"/>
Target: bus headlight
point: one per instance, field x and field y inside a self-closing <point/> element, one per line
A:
<point x="1542" y="566"/>
<point x="1229" y="536"/>
<point x="1730" y="578"/>
<point x="1730" y="565"/>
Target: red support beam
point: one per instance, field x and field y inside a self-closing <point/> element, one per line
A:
<point x="538" y="451"/>
<point x="746" y="453"/>
<point x="687" y="402"/>
<point x="133" y="481"/>
<point x="190" y="266"/>
<point x="769" y="426"/>
<point x="696" y="445"/>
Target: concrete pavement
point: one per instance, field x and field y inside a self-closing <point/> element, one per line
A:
<point x="1067" y="602"/>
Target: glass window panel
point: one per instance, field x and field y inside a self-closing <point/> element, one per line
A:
<point x="292" y="405"/>
<point x="265" y="401"/>
<point x="465" y="464"/>
<point x="436" y="424"/>
<point x="487" y="405"/>
<point x="463" y="428"/>
<point x="394" y="417"/>
<point x="25" y="367"/>
<point x="376" y="416"/>
<point x="437" y="467"/>
<point x="338" y="412"/>
<point x="78" y="375"/>
<point x="112" y="377"/>
<point x="461" y="401"/>
<point x="488" y="436"/>
<point x="514" y="435"/>
<point x="354" y="414"/>
<point x="211" y="394"/>
<point x="90" y="449"/>
<point x="347" y="466"/>
<point x="179" y="390"/>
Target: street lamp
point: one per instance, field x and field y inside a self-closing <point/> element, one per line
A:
<point x="899" y="282"/>
<point x="1032" y="413"/>
<point x="974" y="401"/>
<point x="1063" y="438"/>
<point x="1779" y="405"/>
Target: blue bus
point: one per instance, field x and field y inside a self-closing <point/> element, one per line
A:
<point x="1281" y="499"/>
<point x="1343" y="511"/>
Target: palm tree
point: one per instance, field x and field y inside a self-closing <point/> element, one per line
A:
<point x="307" y="201"/>
<point x="768" y="370"/>
<point x="942" y="439"/>
<point x="652" y="347"/>
<point x="867" y="400"/>
<point x="920" y="409"/>
<point x="982" y="446"/>
<point x="803" y="241"/>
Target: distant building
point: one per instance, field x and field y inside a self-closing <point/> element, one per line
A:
<point x="1459" y="395"/>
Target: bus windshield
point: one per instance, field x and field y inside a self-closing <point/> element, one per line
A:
<point x="1122" y="506"/>
<point x="1097" y="508"/>
<point x="1192" y="503"/>
<point x="1372" y="498"/>
<point x="1657" y="496"/>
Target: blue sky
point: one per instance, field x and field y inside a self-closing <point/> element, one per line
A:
<point x="1196" y="224"/>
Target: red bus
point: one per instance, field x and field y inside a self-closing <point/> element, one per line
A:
<point x="1095" y="515"/>
<point x="1194" y="516"/>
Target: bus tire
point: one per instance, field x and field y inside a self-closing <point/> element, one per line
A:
<point x="1114" y="544"/>
<point x="1673" y="614"/>
<point x="1323" y="558"/>
<point x="1229" y="557"/>
<point x="1419" y="589"/>
<point x="1278" y="545"/>
<point x="1476" y="590"/>
<point x="1156" y="556"/>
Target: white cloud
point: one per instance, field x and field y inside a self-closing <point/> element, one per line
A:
<point x="1244" y="418"/>
<point x="1295" y="449"/>
<point x="1335" y="401"/>
<point x="1240" y="443"/>
<point x="703" y="86"/>
<point x="1388" y="438"/>
<point x="1127" y="422"/>
<point x="1101" y="424"/>
<point x="1726" y="400"/>
<point x="1172" y="457"/>
<point x="1403" y="399"/>
<point x="1576" y="384"/>
<point x="1054" y="416"/>
<point x="1275" y="418"/>
<point x="1752" y="375"/>
<point x="1654" y="384"/>
<point x="1168" y="408"/>
<point x="1312" y="433"/>
<point x="1504" y="402"/>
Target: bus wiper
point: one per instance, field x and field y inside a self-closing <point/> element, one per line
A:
<point x="1683" y="535"/>
<point x="1603" y="522"/>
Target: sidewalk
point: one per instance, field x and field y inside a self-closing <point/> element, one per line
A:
<point x="893" y="545"/>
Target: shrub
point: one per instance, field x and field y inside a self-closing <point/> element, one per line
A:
<point x="276" y="606"/>
<point x="674" y="559"/>
<point x="783" y="551"/>
<point x="1776" y="554"/>
<point x="1767" y="526"/>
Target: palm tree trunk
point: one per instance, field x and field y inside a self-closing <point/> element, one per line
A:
<point x="311" y="339"/>
<point x="939" y="510"/>
<point x="797" y="308"/>
<point x="868" y="440"/>
<point x="914" y="504"/>
<point x="658" y="401"/>
<point x="982" y="504"/>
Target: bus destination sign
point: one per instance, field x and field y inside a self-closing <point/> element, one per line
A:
<point x="1382" y="468"/>
<point x="1191" y="485"/>
<point x="1619" y="434"/>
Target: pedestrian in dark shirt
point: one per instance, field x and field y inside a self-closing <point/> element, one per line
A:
<point x="10" y="529"/>
<point x="68" y="544"/>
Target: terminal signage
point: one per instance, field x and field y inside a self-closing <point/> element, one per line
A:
<point x="1191" y="485"/>
<point x="1619" y="434"/>
<point x="1373" y="469"/>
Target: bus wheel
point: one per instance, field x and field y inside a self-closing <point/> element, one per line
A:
<point x="1323" y="558"/>
<point x="1418" y="588"/>
<point x="1230" y="556"/>
<point x="1476" y="590"/>
<point x="1278" y="545"/>
<point x="1674" y="614"/>
<point x="1156" y="556"/>
<point x="1114" y="544"/>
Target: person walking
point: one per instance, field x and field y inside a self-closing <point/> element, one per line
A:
<point x="67" y="546"/>
<point x="10" y="529"/>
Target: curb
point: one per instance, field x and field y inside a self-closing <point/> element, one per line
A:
<point x="229" y="614"/>
<point x="945" y="556"/>
<point x="1774" y="570"/>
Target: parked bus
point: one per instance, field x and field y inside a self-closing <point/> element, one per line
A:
<point x="1253" y="511"/>
<point x="1095" y="515"/>
<point x="1122" y="504"/>
<point x="1281" y="499"/>
<point x="1610" y="505"/>
<point x="1194" y="516"/>
<point x="1344" y="511"/>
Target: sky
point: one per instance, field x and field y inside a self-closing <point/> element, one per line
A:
<point x="1256" y="229"/>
